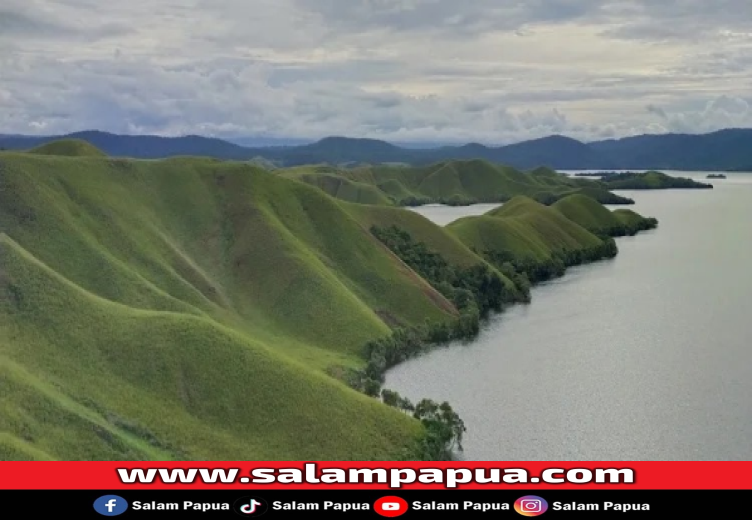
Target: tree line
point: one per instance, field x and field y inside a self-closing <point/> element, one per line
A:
<point x="475" y="291"/>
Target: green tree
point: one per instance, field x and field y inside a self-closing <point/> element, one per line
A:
<point x="444" y="427"/>
<point x="390" y="398"/>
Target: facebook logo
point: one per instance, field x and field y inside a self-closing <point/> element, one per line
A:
<point x="110" y="505"/>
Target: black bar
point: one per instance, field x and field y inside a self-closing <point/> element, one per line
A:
<point x="560" y="504"/>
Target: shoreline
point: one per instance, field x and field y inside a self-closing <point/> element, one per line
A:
<point x="419" y="342"/>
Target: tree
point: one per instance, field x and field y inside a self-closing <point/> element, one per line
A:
<point x="405" y="405"/>
<point x="444" y="427"/>
<point x="371" y="388"/>
<point x="390" y="398"/>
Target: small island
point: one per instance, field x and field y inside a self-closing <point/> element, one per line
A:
<point x="650" y="180"/>
<point x="716" y="176"/>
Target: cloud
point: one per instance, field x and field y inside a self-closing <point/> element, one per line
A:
<point x="487" y="70"/>
<point x="447" y="16"/>
<point x="18" y="23"/>
<point x="38" y="20"/>
<point x="691" y="20"/>
<point x="657" y="111"/>
<point x="720" y="112"/>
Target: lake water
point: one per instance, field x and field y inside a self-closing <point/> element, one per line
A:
<point x="443" y="215"/>
<point x="644" y="357"/>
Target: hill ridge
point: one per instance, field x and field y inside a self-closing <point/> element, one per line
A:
<point x="71" y="147"/>
<point x="108" y="275"/>
<point x="454" y="182"/>
<point x="726" y="149"/>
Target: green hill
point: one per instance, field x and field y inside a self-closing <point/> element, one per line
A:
<point x="650" y="180"/>
<point x="69" y="148"/>
<point x="587" y="213"/>
<point x="192" y="309"/>
<point x="600" y="220"/>
<point x="189" y="309"/>
<point x="457" y="182"/>
<point x="633" y="222"/>
<point x="525" y="229"/>
<point x="526" y="237"/>
<point x="338" y="185"/>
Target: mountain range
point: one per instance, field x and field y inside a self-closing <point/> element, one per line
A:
<point x="729" y="149"/>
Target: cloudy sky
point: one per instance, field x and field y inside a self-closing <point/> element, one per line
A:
<point x="494" y="71"/>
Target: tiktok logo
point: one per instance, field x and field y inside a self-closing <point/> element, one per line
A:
<point x="250" y="506"/>
<point x="249" y="509"/>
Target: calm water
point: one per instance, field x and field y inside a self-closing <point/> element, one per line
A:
<point x="443" y="215"/>
<point x="644" y="357"/>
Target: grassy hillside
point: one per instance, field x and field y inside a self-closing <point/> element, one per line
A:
<point x="528" y="238"/>
<point x="450" y="182"/>
<point x="338" y="185"/>
<point x="600" y="220"/>
<point x="650" y="180"/>
<point x="438" y="239"/>
<point x="587" y="213"/>
<point x="189" y="309"/>
<point x="70" y="148"/>
<point x="633" y="222"/>
<point x="525" y="229"/>
<point x="194" y="309"/>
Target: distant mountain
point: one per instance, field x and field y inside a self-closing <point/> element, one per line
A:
<point x="141" y="146"/>
<point x="556" y="151"/>
<point x="340" y="150"/>
<point x="723" y="150"/>
<point x="267" y="142"/>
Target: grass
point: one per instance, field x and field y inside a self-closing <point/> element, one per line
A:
<point x="199" y="301"/>
<point x="586" y="212"/>
<point x="70" y="148"/>
<point x="523" y="228"/>
<point x="650" y="180"/>
<point x="192" y="309"/>
<point x="451" y="182"/>
<point x="628" y="217"/>
<point x="338" y="185"/>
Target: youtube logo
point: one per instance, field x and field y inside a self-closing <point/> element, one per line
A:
<point x="391" y="506"/>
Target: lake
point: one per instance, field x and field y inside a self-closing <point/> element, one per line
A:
<point x="644" y="357"/>
<point x="443" y="215"/>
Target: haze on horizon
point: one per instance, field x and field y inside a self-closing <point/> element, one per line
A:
<point x="490" y="71"/>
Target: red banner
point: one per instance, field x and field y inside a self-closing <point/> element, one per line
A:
<point x="375" y="475"/>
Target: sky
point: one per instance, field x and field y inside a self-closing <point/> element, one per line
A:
<point x="490" y="71"/>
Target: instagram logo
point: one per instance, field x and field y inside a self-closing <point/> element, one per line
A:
<point x="530" y="506"/>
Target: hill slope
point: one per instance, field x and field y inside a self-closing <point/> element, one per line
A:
<point x="523" y="228"/>
<point x="449" y="182"/>
<point x="68" y="147"/>
<point x="188" y="309"/>
<point x="192" y="309"/>
<point x="333" y="182"/>
<point x="587" y="213"/>
<point x="650" y="180"/>
<point x="599" y="220"/>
